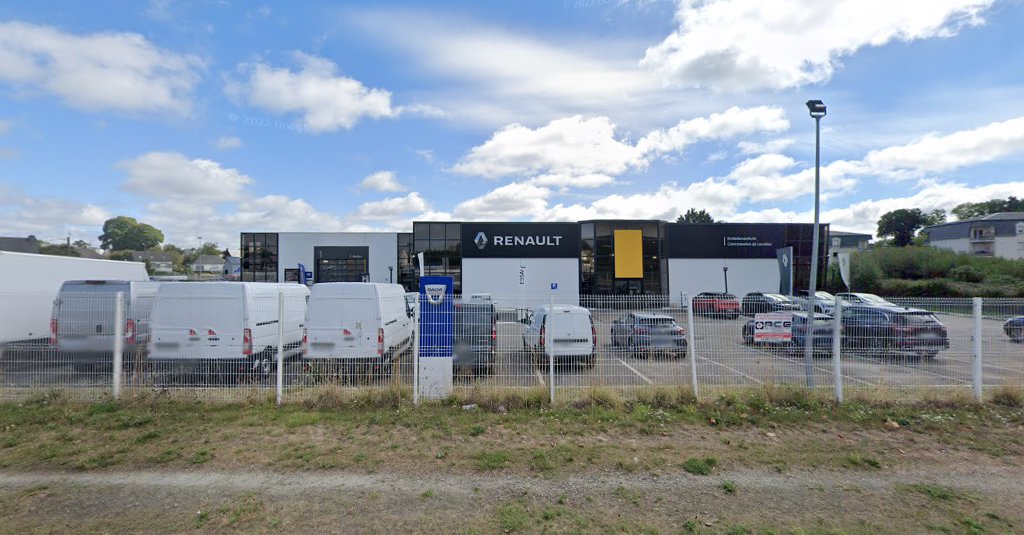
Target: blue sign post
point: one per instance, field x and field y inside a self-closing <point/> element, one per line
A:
<point x="437" y="320"/>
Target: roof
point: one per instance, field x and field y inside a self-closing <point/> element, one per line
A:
<point x="841" y="233"/>
<point x="19" y="245"/>
<point x="1001" y="216"/>
<point x="1003" y="223"/>
<point x="208" y="259"/>
<point x="151" y="256"/>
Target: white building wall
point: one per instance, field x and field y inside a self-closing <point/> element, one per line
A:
<point x="296" y="247"/>
<point x="1010" y="247"/>
<point x="691" y="276"/>
<point x="516" y="280"/>
<point x="960" y="245"/>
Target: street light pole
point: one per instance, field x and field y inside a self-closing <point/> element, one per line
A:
<point x="817" y="110"/>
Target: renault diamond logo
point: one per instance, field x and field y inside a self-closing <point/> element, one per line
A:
<point x="785" y="260"/>
<point x="480" y="240"/>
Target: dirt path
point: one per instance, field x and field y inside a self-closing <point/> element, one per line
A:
<point x="909" y="501"/>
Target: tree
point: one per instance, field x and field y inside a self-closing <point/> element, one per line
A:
<point x="903" y="223"/>
<point x="57" y="249"/>
<point x="968" y="210"/>
<point x="694" y="216"/>
<point x="225" y="254"/>
<point x="123" y="233"/>
<point x="82" y="244"/>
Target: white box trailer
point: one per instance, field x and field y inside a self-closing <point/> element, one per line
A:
<point x="233" y="325"/>
<point x="359" y="322"/>
<point x="29" y="284"/>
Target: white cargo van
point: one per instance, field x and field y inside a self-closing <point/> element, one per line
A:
<point x="230" y="325"/>
<point x="573" y="337"/>
<point x="362" y="323"/>
<point x="82" y="323"/>
<point x="29" y="284"/>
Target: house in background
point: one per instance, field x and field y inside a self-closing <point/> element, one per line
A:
<point x="846" y="242"/>
<point x="20" y="245"/>
<point x="159" y="263"/>
<point x="207" y="266"/>
<point x="1000" y="235"/>
<point x="231" y="269"/>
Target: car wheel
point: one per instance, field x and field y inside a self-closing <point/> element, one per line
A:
<point x="590" y="361"/>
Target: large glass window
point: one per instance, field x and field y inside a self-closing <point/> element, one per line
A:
<point x="597" y="258"/>
<point x="441" y="245"/>
<point x="259" y="257"/>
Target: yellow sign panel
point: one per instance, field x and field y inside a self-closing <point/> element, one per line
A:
<point x="629" y="254"/>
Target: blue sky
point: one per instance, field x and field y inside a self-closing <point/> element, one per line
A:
<point x="207" y="118"/>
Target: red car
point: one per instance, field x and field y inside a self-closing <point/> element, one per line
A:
<point x="717" y="304"/>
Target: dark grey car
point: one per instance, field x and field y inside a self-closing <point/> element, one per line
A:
<point x="649" y="333"/>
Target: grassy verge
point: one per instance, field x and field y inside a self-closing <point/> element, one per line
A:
<point x="512" y="432"/>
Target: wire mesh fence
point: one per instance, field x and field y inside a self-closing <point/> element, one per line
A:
<point x="232" y="341"/>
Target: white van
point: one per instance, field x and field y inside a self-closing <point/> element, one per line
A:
<point x="572" y="337"/>
<point x="233" y="325"/>
<point x="82" y="322"/>
<point x="363" y="323"/>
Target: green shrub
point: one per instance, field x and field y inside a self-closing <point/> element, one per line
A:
<point x="966" y="274"/>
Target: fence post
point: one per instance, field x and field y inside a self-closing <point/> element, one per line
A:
<point x="837" y="346"/>
<point x="691" y="343"/>
<point x="976" y="368"/>
<point x="416" y="353"/>
<point x="280" y="347"/>
<point x="118" y="342"/>
<point x="548" y="347"/>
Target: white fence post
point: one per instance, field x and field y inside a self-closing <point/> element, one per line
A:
<point x="118" y="342"/>
<point x="416" y="353"/>
<point x="691" y="345"/>
<point x="280" y="347"/>
<point x="551" y="350"/>
<point x="837" y="346"/>
<point x="976" y="369"/>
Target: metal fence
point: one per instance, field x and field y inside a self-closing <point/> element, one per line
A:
<point x="91" y="346"/>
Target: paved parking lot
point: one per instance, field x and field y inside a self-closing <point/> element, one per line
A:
<point x="722" y="360"/>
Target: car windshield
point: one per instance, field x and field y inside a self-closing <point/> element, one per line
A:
<point x="825" y="295"/>
<point x="917" y="318"/>
<point x="777" y="297"/>
<point x="872" y="298"/>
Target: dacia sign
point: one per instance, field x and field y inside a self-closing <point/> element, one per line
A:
<point x="520" y="240"/>
<point x="773" y="327"/>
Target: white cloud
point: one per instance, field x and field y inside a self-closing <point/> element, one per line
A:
<point x="775" y="145"/>
<point x="511" y="201"/>
<point x="382" y="181"/>
<point x="100" y="71"/>
<point x="934" y="153"/>
<point x="326" y="100"/>
<point x="48" y="218"/>
<point x="390" y="208"/>
<point x="6" y="125"/>
<point x="426" y="154"/>
<point x="570" y="146"/>
<point x="170" y="175"/>
<point x="738" y="45"/>
<point x="574" y="181"/>
<point x="229" y="142"/>
<point x="730" y="123"/>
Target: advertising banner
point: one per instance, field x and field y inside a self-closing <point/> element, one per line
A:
<point x="785" y="257"/>
<point x="773" y="328"/>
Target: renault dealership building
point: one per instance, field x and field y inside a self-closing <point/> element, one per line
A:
<point x="601" y="257"/>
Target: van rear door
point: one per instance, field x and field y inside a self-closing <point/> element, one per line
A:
<point x="84" y="315"/>
<point x="571" y="332"/>
<point x="342" y="327"/>
<point x="191" y="327"/>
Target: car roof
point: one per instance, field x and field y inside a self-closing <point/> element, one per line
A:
<point x="651" y="315"/>
<point x="893" y="309"/>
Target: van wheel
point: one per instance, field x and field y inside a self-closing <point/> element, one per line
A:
<point x="590" y="361"/>
<point x="263" y="364"/>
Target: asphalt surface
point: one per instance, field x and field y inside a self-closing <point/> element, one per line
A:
<point x="722" y="360"/>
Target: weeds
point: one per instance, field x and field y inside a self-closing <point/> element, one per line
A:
<point x="700" y="467"/>
<point x="496" y="460"/>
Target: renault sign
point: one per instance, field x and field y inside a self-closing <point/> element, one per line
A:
<point x="520" y="240"/>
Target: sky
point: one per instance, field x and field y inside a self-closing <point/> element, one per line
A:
<point x="210" y="118"/>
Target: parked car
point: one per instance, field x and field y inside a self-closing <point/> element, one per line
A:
<point x="755" y="302"/>
<point x="573" y="337"/>
<point x="893" y="329"/>
<point x="82" y="322"/>
<point x="864" y="299"/>
<point x="475" y="334"/>
<point x="824" y="302"/>
<point x="821" y="333"/>
<point x="716" y="304"/>
<point x="648" y="334"/>
<point x="228" y="326"/>
<point x="364" y="325"/>
<point x="1014" y="328"/>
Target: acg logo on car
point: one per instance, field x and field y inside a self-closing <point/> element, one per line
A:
<point x="769" y="324"/>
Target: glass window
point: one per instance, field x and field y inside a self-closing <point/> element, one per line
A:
<point x="587" y="231"/>
<point x="452" y="231"/>
<point x="437" y="231"/>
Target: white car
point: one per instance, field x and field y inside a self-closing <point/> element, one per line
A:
<point x="865" y="299"/>
<point x="565" y="332"/>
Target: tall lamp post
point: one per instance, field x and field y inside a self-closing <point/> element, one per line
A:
<point x="817" y="109"/>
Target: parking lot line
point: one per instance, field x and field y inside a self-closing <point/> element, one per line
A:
<point x="730" y="368"/>
<point x="917" y="369"/>
<point x="632" y="369"/>
<point x="846" y="376"/>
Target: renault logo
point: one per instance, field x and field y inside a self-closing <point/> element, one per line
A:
<point x="480" y="240"/>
